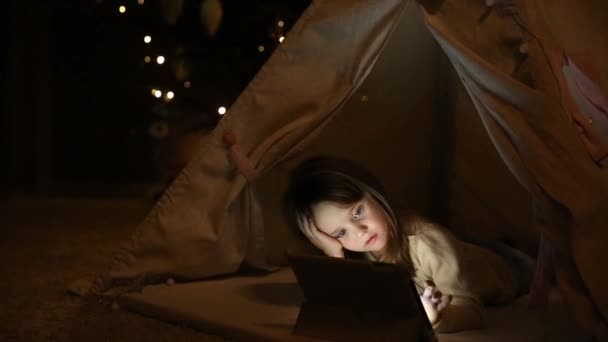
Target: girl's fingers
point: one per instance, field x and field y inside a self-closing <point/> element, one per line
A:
<point x="309" y="229"/>
<point x="436" y="296"/>
<point x="428" y="291"/>
<point x="444" y="302"/>
<point x="305" y="226"/>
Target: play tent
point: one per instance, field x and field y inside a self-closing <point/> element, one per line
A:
<point x="487" y="116"/>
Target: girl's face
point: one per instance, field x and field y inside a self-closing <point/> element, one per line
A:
<point x="360" y="227"/>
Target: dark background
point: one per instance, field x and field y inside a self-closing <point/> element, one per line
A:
<point x="78" y="114"/>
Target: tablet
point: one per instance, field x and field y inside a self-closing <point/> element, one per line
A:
<point x="360" y="286"/>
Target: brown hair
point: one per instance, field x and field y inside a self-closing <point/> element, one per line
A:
<point x="344" y="182"/>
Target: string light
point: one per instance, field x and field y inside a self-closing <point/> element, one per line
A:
<point x="160" y="59"/>
<point x="147" y="39"/>
<point x="158" y="94"/>
<point x="280" y="23"/>
<point x="221" y="110"/>
<point x="140" y="2"/>
<point x="169" y="96"/>
<point x="122" y="9"/>
<point x="147" y="59"/>
<point x="187" y="84"/>
<point x="281" y="39"/>
<point x="261" y="48"/>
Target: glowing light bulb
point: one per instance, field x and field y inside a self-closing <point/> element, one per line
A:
<point x="158" y="94"/>
<point x="147" y="59"/>
<point x="160" y="59"/>
<point x="281" y="39"/>
<point x="122" y="9"/>
<point x="187" y="84"/>
<point x="261" y="48"/>
<point x="153" y="91"/>
<point x="147" y="39"/>
<point x="280" y="23"/>
<point x="221" y="110"/>
<point x="140" y="2"/>
<point x="170" y="95"/>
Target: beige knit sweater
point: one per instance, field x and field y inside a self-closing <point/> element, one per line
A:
<point x="473" y="275"/>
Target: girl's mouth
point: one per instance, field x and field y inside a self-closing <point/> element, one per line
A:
<point x="371" y="239"/>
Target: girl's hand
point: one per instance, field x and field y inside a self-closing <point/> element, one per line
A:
<point x="328" y="244"/>
<point x="434" y="302"/>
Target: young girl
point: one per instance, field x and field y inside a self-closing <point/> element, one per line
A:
<point x="339" y="206"/>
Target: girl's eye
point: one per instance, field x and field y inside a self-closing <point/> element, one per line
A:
<point x="341" y="233"/>
<point x="358" y="213"/>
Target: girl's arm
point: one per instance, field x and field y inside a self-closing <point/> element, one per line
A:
<point x="465" y="273"/>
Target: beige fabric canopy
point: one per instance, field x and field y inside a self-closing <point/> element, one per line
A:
<point x="488" y="141"/>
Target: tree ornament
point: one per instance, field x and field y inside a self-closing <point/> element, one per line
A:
<point x="211" y="16"/>
<point x="158" y="129"/>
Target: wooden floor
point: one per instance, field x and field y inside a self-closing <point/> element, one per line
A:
<point x="46" y="244"/>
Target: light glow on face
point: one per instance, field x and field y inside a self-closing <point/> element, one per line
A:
<point x="359" y="227"/>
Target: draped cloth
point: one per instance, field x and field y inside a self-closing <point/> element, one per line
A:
<point x="528" y="113"/>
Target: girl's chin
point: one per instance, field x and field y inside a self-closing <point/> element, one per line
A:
<point x="376" y="246"/>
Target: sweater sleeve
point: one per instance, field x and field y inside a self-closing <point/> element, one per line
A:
<point x="470" y="274"/>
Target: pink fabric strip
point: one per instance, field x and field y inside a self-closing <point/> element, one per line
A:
<point x="239" y="158"/>
<point x="589" y="134"/>
<point x="589" y="88"/>
<point x="543" y="276"/>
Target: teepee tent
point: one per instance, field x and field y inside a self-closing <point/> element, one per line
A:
<point x="484" y="115"/>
